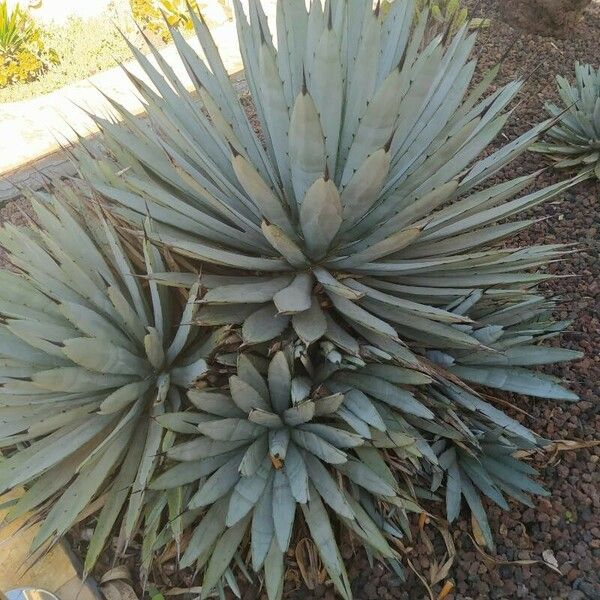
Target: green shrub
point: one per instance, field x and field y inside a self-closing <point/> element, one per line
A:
<point x="444" y="16"/>
<point x="575" y="140"/>
<point x="23" y="54"/>
<point x="84" y="47"/>
<point x="449" y="15"/>
<point x="150" y="14"/>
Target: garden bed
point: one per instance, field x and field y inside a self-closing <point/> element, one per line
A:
<point x="85" y="47"/>
<point x="568" y="523"/>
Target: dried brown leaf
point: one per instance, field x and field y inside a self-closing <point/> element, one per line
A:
<point x="309" y="563"/>
<point x="477" y="533"/>
<point x="120" y="572"/>
<point x="118" y="590"/>
<point x="550" y="560"/>
<point x="560" y="446"/>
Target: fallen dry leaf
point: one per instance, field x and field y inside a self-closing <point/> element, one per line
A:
<point x="180" y="591"/>
<point x="115" y="584"/>
<point x="421" y="578"/>
<point x="560" y="446"/>
<point x="309" y="563"/>
<point x="118" y="590"/>
<point x="550" y="560"/>
<point x="116" y="573"/>
<point x="439" y="571"/>
<point x="276" y="462"/>
<point x="477" y="533"/>
<point x="566" y="445"/>
<point x="489" y="559"/>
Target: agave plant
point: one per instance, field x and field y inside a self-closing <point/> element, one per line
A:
<point x="91" y="359"/>
<point x="362" y="213"/>
<point x="487" y="468"/>
<point x="276" y="440"/>
<point x="358" y="438"/>
<point x="575" y="140"/>
<point x="458" y="435"/>
<point x="356" y="230"/>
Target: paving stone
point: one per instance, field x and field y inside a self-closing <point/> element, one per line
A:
<point x="55" y="571"/>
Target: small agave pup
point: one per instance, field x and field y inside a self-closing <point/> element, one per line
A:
<point x="575" y="141"/>
<point x="90" y="359"/>
<point x="276" y="441"/>
<point x="514" y="334"/>
<point x="357" y="439"/>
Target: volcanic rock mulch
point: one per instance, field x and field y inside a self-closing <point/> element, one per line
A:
<point x="563" y="529"/>
<point x="565" y="525"/>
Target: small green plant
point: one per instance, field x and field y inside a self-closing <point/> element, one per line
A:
<point x="158" y="15"/>
<point x="84" y="47"/>
<point x="177" y="12"/>
<point x="23" y="55"/>
<point x="16" y="29"/>
<point x="575" y="140"/>
<point x="448" y="15"/>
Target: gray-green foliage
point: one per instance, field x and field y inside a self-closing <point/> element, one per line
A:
<point x="276" y="445"/>
<point x="357" y="250"/>
<point x="364" y="225"/>
<point x="90" y="359"/>
<point x="289" y="437"/>
<point x="363" y="212"/>
<point x="575" y="140"/>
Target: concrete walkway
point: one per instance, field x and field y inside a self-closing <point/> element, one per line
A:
<point x="30" y="130"/>
<point x="55" y="570"/>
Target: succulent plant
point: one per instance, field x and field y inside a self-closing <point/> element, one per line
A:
<point x="306" y="430"/>
<point x="17" y="29"/>
<point x="314" y="428"/>
<point x="362" y="216"/>
<point x="575" y="140"/>
<point x="91" y="359"/>
<point x="514" y="333"/>
<point x="23" y="54"/>
<point x="275" y="441"/>
<point x="448" y="16"/>
<point x="355" y="245"/>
